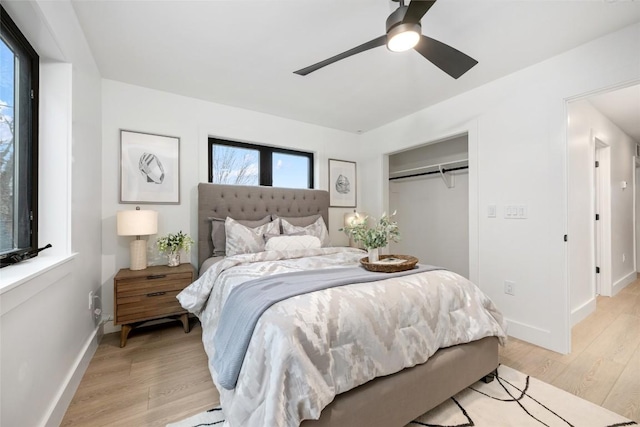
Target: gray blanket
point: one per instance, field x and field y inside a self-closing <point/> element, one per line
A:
<point x="247" y="302"/>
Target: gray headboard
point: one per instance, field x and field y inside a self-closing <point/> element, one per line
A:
<point x="252" y="202"/>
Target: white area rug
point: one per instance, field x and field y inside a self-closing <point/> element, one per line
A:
<point x="513" y="399"/>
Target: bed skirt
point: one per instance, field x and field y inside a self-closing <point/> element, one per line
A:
<point x="395" y="400"/>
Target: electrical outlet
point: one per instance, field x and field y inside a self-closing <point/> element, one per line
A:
<point x="91" y="300"/>
<point x="624" y="257"/>
<point x="509" y="287"/>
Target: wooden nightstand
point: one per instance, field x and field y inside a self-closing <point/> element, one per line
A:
<point x="143" y="295"/>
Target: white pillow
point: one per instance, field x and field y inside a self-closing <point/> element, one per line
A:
<point x="246" y="240"/>
<point x="317" y="229"/>
<point x="291" y="243"/>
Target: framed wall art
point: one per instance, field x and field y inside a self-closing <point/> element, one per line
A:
<point x="149" y="168"/>
<point x="342" y="183"/>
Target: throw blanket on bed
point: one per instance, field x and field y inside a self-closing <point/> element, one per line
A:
<point x="307" y="349"/>
<point x="246" y="304"/>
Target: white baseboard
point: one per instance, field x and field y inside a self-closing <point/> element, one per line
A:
<point x="67" y="390"/>
<point x="534" y="335"/>
<point x="581" y="313"/>
<point x="623" y="283"/>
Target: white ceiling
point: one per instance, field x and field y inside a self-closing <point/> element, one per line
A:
<point x="243" y="53"/>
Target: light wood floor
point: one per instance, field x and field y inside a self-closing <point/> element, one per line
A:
<point x="161" y="375"/>
<point x="604" y="364"/>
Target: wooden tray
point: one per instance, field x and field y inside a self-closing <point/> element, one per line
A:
<point x="409" y="263"/>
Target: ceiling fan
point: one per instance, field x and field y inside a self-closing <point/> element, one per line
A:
<point x="404" y="32"/>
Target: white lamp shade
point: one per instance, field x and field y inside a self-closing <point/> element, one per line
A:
<point x="354" y="218"/>
<point x="137" y="222"/>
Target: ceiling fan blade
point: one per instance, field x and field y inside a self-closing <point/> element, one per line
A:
<point x="416" y="10"/>
<point x="380" y="41"/>
<point x="448" y="59"/>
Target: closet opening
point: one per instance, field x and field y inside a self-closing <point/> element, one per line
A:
<point x="429" y="189"/>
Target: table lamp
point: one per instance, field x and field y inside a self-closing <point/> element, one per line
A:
<point x="137" y="223"/>
<point x="353" y="218"/>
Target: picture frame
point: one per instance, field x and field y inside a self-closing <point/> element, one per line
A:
<point x="149" y="168"/>
<point x="342" y="183"/>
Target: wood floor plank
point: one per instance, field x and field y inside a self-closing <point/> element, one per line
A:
<point x="171" y="411"/>
<point x="590" y="377"/>
<point x="619" y="341"/>
<point x="538" y="362"/>
<point x="171" y="390"/>
<point x="634" y="309"/>
<point x="585" y="332"/>
<point x="624" y="397"/>
<point x="112" y="405"/>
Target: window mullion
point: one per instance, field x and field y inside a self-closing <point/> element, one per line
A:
<point x="266" y="172"/>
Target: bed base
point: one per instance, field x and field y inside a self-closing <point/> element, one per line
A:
<point x="395" y="400"/>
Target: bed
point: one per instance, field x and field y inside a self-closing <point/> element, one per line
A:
<point x="393" y="399"/>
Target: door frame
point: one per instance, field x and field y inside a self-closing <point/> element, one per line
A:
<point x="602" y="245"/>
<point x="636" y="200"/>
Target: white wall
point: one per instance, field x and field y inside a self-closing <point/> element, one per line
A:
<point x="434" y="220"/>
<point x="139" y="109"/>
<point x="48" y="332"/>
<point x="517" y="140"/>
<point x="622" y="241"/>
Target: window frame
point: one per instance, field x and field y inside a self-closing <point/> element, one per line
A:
<point x="265" y="158"/>
<point x="29" y="177"/>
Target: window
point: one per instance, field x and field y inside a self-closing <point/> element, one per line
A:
<point x="239" y="163"/>
<point x="18" y="142"/>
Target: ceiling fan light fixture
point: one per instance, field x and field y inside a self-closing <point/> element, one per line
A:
<point x="403" y="37"/>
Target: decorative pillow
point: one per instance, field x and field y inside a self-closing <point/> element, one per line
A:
<point x="290" y="243"/>
<point x="218" y="234"/>
<point x="317" y="229"/>
<point x="269" y="236"/>
<point x="246" y="240"/>
<point x="299" y="221"/>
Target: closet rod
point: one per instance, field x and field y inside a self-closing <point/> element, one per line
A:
<point x="429" y="173"/>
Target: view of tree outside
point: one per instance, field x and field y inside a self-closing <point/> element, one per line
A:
<point x="290" y="171"/>
<point x="234" y="165"/>
<point x="7" y="102"/>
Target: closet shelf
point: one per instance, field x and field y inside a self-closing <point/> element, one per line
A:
<point x="440" y="168"/>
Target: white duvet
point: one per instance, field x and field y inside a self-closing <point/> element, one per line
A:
<point x="309" y="348"/>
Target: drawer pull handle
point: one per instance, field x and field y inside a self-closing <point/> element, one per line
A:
<point x="156" y="294"/>
<point x="157" y="276"/>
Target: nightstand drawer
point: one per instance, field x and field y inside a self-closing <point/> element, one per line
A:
<point x="146" y="307"/>
<point x="150" y="299"/>
<point x="153" y="283"/>
<point x="140" y="288"/>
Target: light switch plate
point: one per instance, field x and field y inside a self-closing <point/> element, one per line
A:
<point x="515" y="211"/>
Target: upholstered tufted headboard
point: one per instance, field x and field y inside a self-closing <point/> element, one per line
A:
<point x="252" y="202"/>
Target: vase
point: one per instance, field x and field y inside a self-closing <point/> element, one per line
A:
<point x="373" y="255"/>
<point x="174" y="259"/>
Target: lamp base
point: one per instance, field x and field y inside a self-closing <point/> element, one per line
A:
<point x="138" y="249"/>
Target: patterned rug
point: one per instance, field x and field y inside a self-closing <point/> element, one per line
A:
<point x="513" y="399"/>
